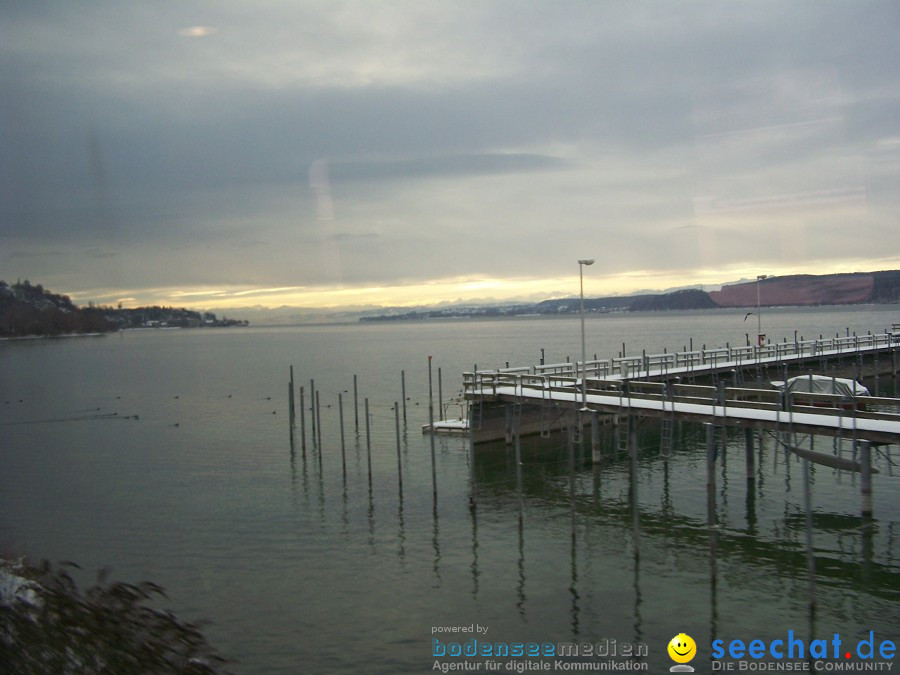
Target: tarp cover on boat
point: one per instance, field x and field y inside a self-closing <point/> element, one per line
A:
<point x="822" y="384"/>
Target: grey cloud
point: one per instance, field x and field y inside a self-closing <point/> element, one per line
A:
<point x="545" y="118"/>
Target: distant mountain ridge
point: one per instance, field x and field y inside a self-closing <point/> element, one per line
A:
<point x="881" y="287"/>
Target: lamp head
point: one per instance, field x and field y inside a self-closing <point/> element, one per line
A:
<point x="586" y="261"/>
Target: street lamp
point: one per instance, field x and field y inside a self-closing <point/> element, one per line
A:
<point x="759" y="333"/>
<point x="581" y="264"/>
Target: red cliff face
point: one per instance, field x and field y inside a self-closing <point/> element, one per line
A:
<point x="834" y="289"/>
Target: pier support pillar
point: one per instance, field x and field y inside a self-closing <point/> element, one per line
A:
<point x="617" y="432"/>
<point x="810" y="552"/>
<point x="473" y="478"/>
<point x="595" y="438"/>
<point x="710" y="475"/>
<point x="518" y="447"/>
<point x="635" y="514"/>
<point x="865" y="480"/>
<point x="748" y="452"/>
<point x="507" y="425"/>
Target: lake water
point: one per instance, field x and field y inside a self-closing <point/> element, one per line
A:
<point x="165" y="455"/>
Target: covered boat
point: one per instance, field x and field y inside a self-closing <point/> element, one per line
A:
<point x="829" y="387"/>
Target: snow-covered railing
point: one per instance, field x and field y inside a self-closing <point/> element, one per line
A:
<point x="695" y="362"/>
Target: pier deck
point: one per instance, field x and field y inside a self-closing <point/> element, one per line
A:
<point x="739" y="407"/>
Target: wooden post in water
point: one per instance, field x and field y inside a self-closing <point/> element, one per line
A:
<point x="312" y="410"/>
<point x="319" y="422"/>
<point x="507" y="424"/>
<point x="292" y="416"/>
<point x="431" y="422"/>
<point x="302" y="423"/>
<point x="291" y="407"/>
<point x="368" y="444"/>
<point x="399" y="464"/>
<point x="343" y="448"/>
<point x="403" y="393"/>
<point x="355" y="405"/>
<point x="440" y="395"/>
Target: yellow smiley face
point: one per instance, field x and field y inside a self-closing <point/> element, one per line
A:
<point x="682" y="648"/>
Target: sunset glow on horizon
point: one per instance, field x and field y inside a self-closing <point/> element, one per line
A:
<point x="463" y="290"/>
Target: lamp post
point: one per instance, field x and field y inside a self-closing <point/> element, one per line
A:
<point x="759" y="334"/>
<point x="581" y="264"/>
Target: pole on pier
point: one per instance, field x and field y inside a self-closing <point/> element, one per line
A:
<point x="865" y="477"/>
<point x="403" y="393"/>
<point x="431" y="423"/>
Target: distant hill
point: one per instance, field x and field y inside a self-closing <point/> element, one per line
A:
<point x="27" y="309"/>
<point x="808" y="289"/>
<point x="33" y="310"/>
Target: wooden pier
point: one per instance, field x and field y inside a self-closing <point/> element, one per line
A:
<point x="668" y="386"/>
<point x="821" y="414"/>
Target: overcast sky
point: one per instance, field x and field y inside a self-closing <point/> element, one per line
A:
<point x="314" y="153"/>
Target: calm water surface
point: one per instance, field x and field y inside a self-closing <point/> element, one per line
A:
<point x="165" y="455"/>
